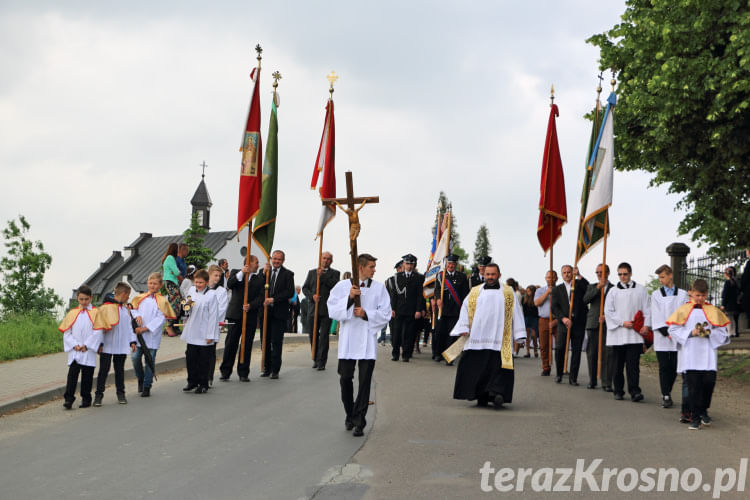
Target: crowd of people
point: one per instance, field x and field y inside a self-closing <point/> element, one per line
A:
<point x="613" y="323"/>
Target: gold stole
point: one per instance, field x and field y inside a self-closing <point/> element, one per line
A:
<point x="713" y="314"/>
<point x="161" y="302"/>
<point x="71" y="317"/>
<point x="506" y="351"/>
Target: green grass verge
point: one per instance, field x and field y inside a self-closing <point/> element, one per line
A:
<point x="25" y="336"/>
<point x="734" y="366"/>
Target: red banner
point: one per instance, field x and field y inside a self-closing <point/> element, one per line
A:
<point x="552" y="205"/>
<point x="251" y="174"/>
<point x="326" y="163"/>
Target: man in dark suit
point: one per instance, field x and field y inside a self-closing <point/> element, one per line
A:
<point x="452" y="298"/>
<point x="237" y="282"/>
<point x="280" y="290"/>
<point x="593" y="298"/>
<point x="409" y="304"/>
<point x="573" y="325"/>
<point x="478" y="279"/>
<point x="329" y="277"/>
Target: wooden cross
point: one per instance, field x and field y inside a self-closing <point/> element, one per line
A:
<point x="354" y="226"/>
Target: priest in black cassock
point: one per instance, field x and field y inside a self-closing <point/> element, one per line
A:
<point x="453" y="292"/>
<point x="491" y="319"/>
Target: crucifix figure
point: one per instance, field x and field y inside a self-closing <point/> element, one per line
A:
<point x="354" y="225"/>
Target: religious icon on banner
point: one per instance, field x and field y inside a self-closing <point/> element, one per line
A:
<point x="250" y="154"/>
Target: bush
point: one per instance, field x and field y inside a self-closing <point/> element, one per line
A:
<point x="23" y="336"/>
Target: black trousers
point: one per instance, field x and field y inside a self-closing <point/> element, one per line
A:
<point x="212" y="362"/>
<point x="402" y="336"/>
<point x="441" y="340"/>
<point x="577" y="332"/>
<point x="592" y="355"/>
<point x="87" y="381"/>
<point x="321" y="345"/>
<point x="232" y="345"/>
<point x="627" y="357"/>
<point x="197" y="360"/>
<point x="275" y="341"/>
<point x="356" y="409"/>
<point x="105" y="361"/>
<point x="700" y="390"/>
<point x="667" y="370"/>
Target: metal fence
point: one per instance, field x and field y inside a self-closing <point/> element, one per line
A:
<point x="711" y="268"/>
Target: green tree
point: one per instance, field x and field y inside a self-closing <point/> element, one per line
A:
<point x="23" y="269"/>
<point x="683" y="112"/>
<point x="199" y="255"/>
<point x="482" y="246"/>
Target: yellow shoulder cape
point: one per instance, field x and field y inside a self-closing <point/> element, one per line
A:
<point x="72" y="315"/>
<point x="714" y="315"/>
<point x="161" y="303"/>
<point x="107" y="317"/>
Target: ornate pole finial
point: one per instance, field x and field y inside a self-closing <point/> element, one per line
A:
<point x="203" y="173"/>
<point x="613" y="81"/>
<point x="332" y="77"/>
<point x="599" y="87"/>
<point x="259" y="50"/>
<point x="276" y="77"/>
<point x="552" y="95"/>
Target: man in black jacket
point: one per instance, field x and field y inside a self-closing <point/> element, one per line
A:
<point x="593" y="298"/>
<point x="478" y="279"/>
<point x="280" y="290"/>
<point x="574" y="325"/>
<point x="409" y="304"/>
<point x="247" y="277"/>
<point x="329" y="277"/>
<point x="452" y="298"/>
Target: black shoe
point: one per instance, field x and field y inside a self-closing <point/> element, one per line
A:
<point x="349" y="426"/>
<point x="706" y="420"/>
<point x="667" y="402"/>
<point x="121" y="399"/>
<point x="619" y="397"/>
<point x="558" y="379"/>
<point x="265" y="374"/>
<point x="498" y="401"/>
<point x="226" y="379"/>
<point x="244" y="379"/>
<point x="85" y="404"/>
<point x="405" y="360"/>
<point x="189" y="387"/>
<point x="146" y="392"/>
<point x="449" y="364"/>
<point x="68" y="405"/>
<point x="394" y="358"/>
<point x="607" y="388"/>
<point x="210" y="382"/>
<point x="636" y="397"/>
<point x="437" y="358"/>
<point x="358" y="432"/>
<point x="695" y="425"/>
<point x="315" y="365"/>
<point x="201" y="389"/>
<point x="591" y="385"/>
<point x="545" y="373"/>
<point x="140" y="385"/>
<point x="572" y="381"/>
<point x="274" y="376"/>
<point x="98" y="399"/>
<point x="321" y="368"/>
<point x="482" y="402"/>
<point x="684" y="418"/>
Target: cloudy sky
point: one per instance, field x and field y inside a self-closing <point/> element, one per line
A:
<point x="107" y="109"/>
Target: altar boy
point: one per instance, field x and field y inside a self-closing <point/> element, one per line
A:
<point x="80" y="341"/>
<point x="699" y="328"/>
<point x="113" y="319"/>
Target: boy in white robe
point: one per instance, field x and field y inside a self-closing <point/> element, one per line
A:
<point x="151" y="310"/>
<point x="358" y="335"/>
<point x="485" y="370"/>
<point x="80" y="341"/>
<point x="199" y="333"/>
<point x="700" y="329"/>
<point x="664" y="302"/>
<point x="113" y="318"/>
<point x="620" y="308"/>
<point x="215" y="275"/>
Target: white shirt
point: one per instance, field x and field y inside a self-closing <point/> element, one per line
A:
<point x="153" y="319"/>
<point x="620" y="306"/>
<point x="201" y="324"/>
<point x="488" y="326"/>
<point x="118" y="339"/>
<point x="358" y="339"/>
<point x="82" y="333"/>
<point x="221" y="310"/>
<point x="567" y="288"/>
<point x="698" y="353"/>
<point x="662" y="308"/>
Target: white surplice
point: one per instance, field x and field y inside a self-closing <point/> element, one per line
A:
<point x="489" y="321"/>
<point x="698" y="353"/>
<point x="221" y="310"/>
<point x="153" y="319"/>
<point x="82" y="333"/>
<point x="118" y="339"/>
<point x="662" y="308"/>
<point x="201" y="324"/>
<point x="358" y="338"/>
<point x="620" y="306"/>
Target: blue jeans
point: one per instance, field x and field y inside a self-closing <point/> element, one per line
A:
<point x="138" y="366"/>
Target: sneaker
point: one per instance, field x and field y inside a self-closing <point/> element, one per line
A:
<point x="98" y="399"/>
<point x="146" y="392"/>
<point x="85" y="404"/>
<point x="695" y="425"/>
<point x="684" y="418"/>
<point x="358" y="432"/>
<point x="68" y="405"/>
<point x="706" y="420"/>
<point x="121" y="399"/>
<point x="667" y="402"/>
<point x="636" y="397"/>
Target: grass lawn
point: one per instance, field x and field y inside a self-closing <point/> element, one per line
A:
<point x="731" y="366"/>
<point x="25" y="336"/>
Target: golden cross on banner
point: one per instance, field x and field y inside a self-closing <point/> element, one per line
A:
<point x="332" y="78"/>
